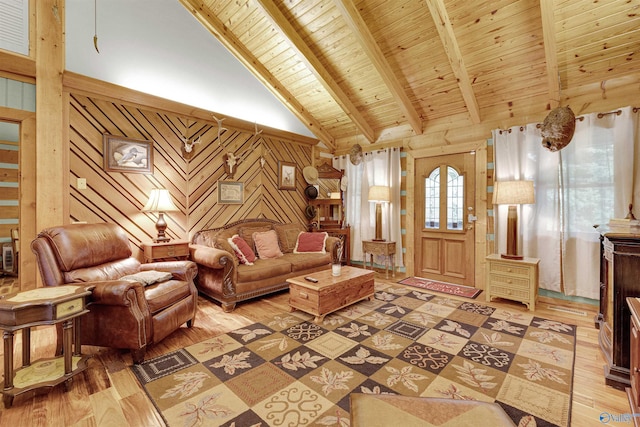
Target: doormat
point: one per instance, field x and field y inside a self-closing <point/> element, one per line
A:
<point x="444" y="287"/>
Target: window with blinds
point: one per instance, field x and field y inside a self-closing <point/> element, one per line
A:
<point x="14" y="26"/>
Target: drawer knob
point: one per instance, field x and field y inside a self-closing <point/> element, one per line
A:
<point x="304" y="295"/>
<point x="509" y="281"/>
<point x="509" y="270"/>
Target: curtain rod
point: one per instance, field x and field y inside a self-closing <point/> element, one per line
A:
<point x="581" y="118"/>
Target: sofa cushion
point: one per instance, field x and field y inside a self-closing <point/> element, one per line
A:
<point x="267" y="244"/>
<point x="288" y="235"/>
<point x="263" y="268"/>
<point x="306" y="261"/>
<point x="311" y="242"/>
<point x="247" y="234"/>
<point x="244" y="253"/>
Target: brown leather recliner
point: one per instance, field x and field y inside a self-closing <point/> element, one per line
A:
<point x="122" y="313"/>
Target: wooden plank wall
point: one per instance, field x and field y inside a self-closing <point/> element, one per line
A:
<point x="118" y="197"/>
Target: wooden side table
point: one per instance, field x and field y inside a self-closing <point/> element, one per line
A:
<point x="42" y="306"/>
<point x="514" y="279"/>
<point x="380" y="247"/>
<point x="162" y="251"/>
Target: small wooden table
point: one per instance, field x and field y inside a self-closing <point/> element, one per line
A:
<point x="381" y="247"/>
<point x="331" y="293"/>
<point x="161" y="251"/>
<point x="42" y="306"/>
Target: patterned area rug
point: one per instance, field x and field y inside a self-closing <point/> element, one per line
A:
<point x="289" y="371"/>
<point x="444" y="287"/>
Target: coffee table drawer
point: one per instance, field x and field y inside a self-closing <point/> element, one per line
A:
<point x="303" y="298"/>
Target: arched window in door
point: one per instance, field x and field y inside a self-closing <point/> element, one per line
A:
<point x="450" y="207"/>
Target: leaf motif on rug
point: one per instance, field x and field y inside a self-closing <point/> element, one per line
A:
<point x="232" y="362"/>
<point x="475" y="377"/>
<point x="331" y="381"/>
<point x="404" y="376"/>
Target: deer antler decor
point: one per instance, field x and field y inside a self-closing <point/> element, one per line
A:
<point x="220" y="128"/>
<point x="188" y="146"/>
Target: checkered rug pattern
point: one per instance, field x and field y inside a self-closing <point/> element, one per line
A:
<point x="288" y="370"/>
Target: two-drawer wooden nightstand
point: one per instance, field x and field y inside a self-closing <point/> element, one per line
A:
<point x="383" y="248"/>
<point x="514" y="279"/>
<point x="166" y="251"/>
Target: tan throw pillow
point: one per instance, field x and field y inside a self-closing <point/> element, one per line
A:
<point x="148" y="277"/>
<point x="247" y="234"/>
<point x="288" y="235"/>
<point x="267" y="244"/>
<point x="311" y="242"/>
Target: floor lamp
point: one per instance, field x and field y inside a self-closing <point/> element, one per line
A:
<point x="513" y="193"/>
<point x="160" y="202"/>
<point x="379" y="194"/>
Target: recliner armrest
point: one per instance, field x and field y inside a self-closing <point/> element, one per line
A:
<point x="116" y="292"/>
<point x="181" y="270"/>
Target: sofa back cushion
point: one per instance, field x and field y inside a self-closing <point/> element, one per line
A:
<point x="288" y="235"/>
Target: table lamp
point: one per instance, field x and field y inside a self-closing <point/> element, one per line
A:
<point x="160" y="202"/>
<point x="379" y="194"/>
<point x="513" y="193"/>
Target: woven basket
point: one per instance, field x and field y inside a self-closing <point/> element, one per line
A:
<point x="558" y="128"/>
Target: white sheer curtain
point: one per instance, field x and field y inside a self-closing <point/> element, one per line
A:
<point x="380" y="167"/>
<point x="591" y="180"/>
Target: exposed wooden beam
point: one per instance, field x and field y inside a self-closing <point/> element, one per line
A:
<point x="375" y="55"/>
<point x="315" y="66"/>
<point x="550" y="49"/>
<point x="450" y="43"/>
<point x="211" y="22"/>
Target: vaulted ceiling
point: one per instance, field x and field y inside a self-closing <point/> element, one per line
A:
<point x="366" y="70"/>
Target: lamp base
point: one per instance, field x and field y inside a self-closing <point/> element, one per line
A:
<point x="379" y="240"/>
<point x="509" y="256"/>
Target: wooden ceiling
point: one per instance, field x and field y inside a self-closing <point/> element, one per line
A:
<point x="366" y="70"/>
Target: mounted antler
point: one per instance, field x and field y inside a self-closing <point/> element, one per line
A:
<point x="188" y="146"/>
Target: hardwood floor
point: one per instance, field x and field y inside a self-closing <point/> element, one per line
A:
<point x="107" y="394"/>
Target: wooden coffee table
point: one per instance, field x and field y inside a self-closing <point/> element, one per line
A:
<point x="331" y="293"/>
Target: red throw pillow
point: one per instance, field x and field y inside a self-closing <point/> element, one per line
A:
<point x="311" y="242"/>
<point x="243" y="251"/>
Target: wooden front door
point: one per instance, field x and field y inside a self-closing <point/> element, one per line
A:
<point x="445" y="215"/>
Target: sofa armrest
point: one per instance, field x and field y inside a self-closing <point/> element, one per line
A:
<point x="210" y="257"/>
<point x="332" y="244"/>
<point x="181" y="270"/>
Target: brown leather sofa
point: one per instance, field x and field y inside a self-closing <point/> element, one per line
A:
<point x="222" y="278"/>
<point x="122" y="313"/>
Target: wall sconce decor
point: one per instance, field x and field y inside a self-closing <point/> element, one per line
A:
<point x="160" y="202"/>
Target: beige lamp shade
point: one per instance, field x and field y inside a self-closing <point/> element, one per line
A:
<point x="160" y="202"/>
<point x="513" y="193"/>
<point x="379" y="193"/>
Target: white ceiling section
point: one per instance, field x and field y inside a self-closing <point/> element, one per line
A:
<point x="169" y="54"/>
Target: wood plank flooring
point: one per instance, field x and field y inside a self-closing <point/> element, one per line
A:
<point x="107" y="394"/>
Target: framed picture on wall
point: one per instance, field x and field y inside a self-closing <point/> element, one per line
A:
<point x="230" y="192"/>
<point x="286" y="175"/>
<point x="129" y="155"/>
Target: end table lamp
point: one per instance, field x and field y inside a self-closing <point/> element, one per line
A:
<point x="379" y="194"/>
<point x="513" y="193"/>
<point x="160" y="202"/>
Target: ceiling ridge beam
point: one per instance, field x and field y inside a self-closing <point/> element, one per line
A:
<point x="374" y="53"/>
<point x="314" y="65"/>
<point x="452" y="50"/>
<point x="211" y="22"/>
<point x="550" y="49"/>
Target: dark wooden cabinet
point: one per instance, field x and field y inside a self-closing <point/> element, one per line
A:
<point x="619" y="279"/>
<point x="633" y="391"/>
